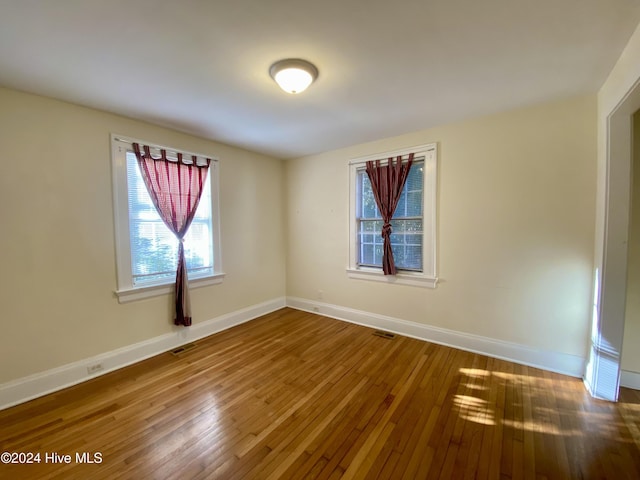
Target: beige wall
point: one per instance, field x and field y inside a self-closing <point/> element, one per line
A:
<point x="57" y="244"/>
<point x="515" y="228"/>
<point x="515" y="216"/>
<point x="631" y="339"/>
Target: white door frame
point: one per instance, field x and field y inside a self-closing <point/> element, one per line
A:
<point x="602" y="375"/>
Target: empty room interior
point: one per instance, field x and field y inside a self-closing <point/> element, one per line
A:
<point x="423" y="262"/>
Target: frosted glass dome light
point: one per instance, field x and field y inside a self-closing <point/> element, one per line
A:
<point x="293" y="75"/>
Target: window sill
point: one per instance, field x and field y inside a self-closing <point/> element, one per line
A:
<point x="138" y="293"/>
<point x="376" y="275"/>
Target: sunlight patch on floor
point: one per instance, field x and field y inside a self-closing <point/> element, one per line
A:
<point x="474" y="409"/>
<point x="541" y="427"/>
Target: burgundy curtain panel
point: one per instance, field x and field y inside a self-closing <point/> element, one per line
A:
<point x="175" y="189"/>
<point x="387" y="183"/>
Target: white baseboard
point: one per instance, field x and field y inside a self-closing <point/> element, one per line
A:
<point x="547" y="360"/>
<point x="630" y="379"/>
<point x="37" y="385"/>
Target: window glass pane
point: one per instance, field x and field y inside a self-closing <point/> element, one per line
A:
<point x="414" y="203"/>
<point x="369" y="226"/>
<point x="398" y="255"/>
<point x="413" y="239"/>
<point x="413" y="226"/>
<point x="397" y="238"/>
<point x="368" y="207"/>
<point x="154" y="248"/>
<point x="367" y="254"/>
<point x="415" y="178"/>
<point x="413" y="257"/>
<point x="197" y="243"/>
<point x="368" y="239"/>
<point x="377" y="254"/>
<point x="401" y="209"/>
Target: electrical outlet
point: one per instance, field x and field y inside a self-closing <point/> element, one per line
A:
<point x="95" y="368"/>
<point x="320" y="295"/>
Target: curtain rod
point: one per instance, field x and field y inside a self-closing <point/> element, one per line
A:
<point x="169" y="150"/>
<point x="416" y="149"/>
<point x="361" y="160"/>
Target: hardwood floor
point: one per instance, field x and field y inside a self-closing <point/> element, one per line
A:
<point x="295" y="395"/>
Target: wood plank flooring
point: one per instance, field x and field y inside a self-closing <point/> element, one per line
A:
<point x="293" y="395"/>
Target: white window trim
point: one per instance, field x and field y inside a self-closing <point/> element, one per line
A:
<point x="426" y="278"/>
<point x="126" y="291"/>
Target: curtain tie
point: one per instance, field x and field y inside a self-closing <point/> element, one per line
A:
<point x="386" y="230"/>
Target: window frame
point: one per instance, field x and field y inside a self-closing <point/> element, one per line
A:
<point x="126" y="290"/>
<point x="427" y="277"/>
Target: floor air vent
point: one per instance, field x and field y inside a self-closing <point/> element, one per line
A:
<point x="182" y="349"/>
<point x="380" y="333"/>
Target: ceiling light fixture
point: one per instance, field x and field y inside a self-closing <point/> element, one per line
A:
<point x="293" y="75"/>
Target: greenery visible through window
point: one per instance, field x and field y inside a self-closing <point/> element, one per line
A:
<point x="406" y="224"/>
<point x="154" y="249"/>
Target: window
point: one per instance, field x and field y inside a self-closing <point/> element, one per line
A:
<point x="146" y="250"/>
<point x="413" y="223"/>
<point x="406" y="238"/>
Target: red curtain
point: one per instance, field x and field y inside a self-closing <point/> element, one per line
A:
<point x="175" y="188"/>
<point x="387" y="183"/>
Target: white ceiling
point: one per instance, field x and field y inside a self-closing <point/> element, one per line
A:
<point x="386" y="67"/>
